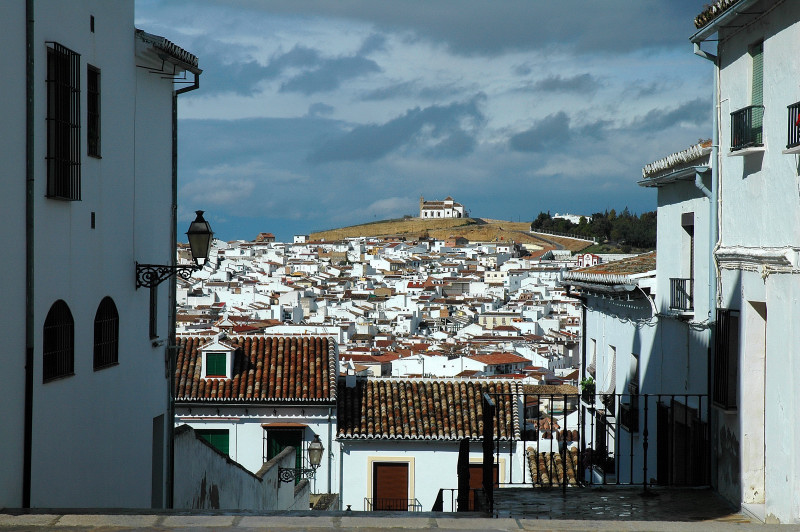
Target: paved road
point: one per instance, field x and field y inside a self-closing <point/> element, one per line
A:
<point x="76" y="522"/>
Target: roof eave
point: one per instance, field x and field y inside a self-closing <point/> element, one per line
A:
<point x="677" y="175"/>
<point x="713" y="27"/>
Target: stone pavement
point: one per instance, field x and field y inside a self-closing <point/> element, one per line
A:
<point x="356" y="521"/>
<point x="523" y="509"/>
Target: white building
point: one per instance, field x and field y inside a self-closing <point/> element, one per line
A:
<point x="399" y="439"/>
<point x="754" y="425"/>
<point x="87" y="151"/>
<point x="253" y="396"/>
<point x="447" y="208"/>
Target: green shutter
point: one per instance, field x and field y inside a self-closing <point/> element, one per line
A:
<point x="757" y="53"/>
<point x="217" y="438"/>
<point x="216" y="365"/>
<point x="757" y="93"/>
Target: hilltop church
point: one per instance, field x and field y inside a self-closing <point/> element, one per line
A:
<point x="441" y="209"/>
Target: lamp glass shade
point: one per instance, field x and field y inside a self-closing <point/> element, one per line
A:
<point x="315" y="450"/>
<point x="200" y="235"/>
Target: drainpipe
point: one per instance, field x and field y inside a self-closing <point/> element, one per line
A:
<point x="714" y="234"/>
<point x="341" y="474"/>
<point x="29" y="256"/>
<point x="714" y="193"/>
<point x="172" y="349"/>
<point x="330" y="451"/>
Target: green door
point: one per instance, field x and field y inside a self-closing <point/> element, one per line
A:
<point x="279" y="439"/>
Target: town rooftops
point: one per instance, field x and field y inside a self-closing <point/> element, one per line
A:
<point x="265" y="369"/>
<point x="423" y="409"/>
<point x="617" y="275"/>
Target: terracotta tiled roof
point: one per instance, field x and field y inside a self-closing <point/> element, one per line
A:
<point x="711" y="12"/>
<point x="265" y="368"/>
<point x="547" y="468"/>
<point x="630" y="266"/>
<point x="499" y="358"/>
<point x="419" y="409"/>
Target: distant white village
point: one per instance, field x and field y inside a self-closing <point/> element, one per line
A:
<point x="424" y="308"/>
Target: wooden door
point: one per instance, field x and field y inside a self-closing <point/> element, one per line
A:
<point x="390" y="486"/>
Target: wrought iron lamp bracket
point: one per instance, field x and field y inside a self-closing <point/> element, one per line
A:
<point x="151" y="275"/>
<point x="288" y="474"/>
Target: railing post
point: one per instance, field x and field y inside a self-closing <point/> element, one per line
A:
<point x="645" y="444"/>
<point x="488" y="447"/>
<point x="563" y="445"/>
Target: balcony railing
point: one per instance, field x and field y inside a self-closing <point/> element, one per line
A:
<point x="447" y="501"/>
<point x="392" y="505"/>
<point x="681" y="297"/>
<point x="747" y="127"/>
<point x="793" y="139"/>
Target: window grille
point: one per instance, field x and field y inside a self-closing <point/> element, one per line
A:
<point x="106" y="334"/>
<point x="58" y="343"/>
<point x="63" y="123"/>
<point x="726" y="358"/>
<point x="93" y="111"/>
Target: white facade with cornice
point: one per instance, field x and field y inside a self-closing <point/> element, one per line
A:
<point x="755" y="425"/>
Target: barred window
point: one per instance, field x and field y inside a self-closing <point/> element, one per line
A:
<point x="726" y="358"/>
<point x="93" y="111"/>
<point x="58" y="343"/>
<point x="63" y="123"/>
<point x="106" y="334"/>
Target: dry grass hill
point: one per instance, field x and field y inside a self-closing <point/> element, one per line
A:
<point x="473" y="229"/>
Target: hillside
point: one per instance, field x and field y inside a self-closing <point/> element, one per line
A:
<point x="473" y="229"/>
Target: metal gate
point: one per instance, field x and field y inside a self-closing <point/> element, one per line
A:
<point x="610" y="439"/>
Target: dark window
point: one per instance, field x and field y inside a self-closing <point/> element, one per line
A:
<point x="216" y="365"/>
<point x="154" y="312"/>
<point x="218" y="438"/>
<point x="726" y="358"/>
<point x="106" y="334"/>
<point x="63" y="123"/>
<point x="58" y="343"/>
<point x="279" y="439"/>
<point x="93" y="111"/>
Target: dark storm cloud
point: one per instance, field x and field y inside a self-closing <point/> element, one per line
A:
<point x="488" y="28"/>
<point x="595" y="130"/>
<point x="457" y="144"/>
<point x="374" y="141"/>
<point x="550" y="132"/>
<point x="330" y="74"/>
<point x="412" y="89"/>
<point x="695" y="112"/>
<point x="405" y="89"/>
<point x="374" y="43"/>
<point x="580" y="83"/>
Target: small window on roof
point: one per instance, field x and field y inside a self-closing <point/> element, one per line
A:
<point x="216" y="365"/>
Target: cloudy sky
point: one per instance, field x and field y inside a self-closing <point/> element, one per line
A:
<point x="313" y="115"/>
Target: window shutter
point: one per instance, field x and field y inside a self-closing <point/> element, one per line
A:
<point x="216" y="365"/>
<point x="757" y="53"/>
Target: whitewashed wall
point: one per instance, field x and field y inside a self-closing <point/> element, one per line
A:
<point x="432" y="466"/>
<point x="247" y="435"/>
<point x="205" y="479"/>
<point x="12" y="241"/>
<point x="84" y="424"/>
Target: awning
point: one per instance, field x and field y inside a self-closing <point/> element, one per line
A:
<point x="284" y="425"/>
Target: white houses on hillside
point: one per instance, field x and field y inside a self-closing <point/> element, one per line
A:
<point x="754" y="425"/>
<point x="89" y="190"/>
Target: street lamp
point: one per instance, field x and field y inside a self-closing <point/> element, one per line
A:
<point x="315" y="450"/>
<point x="200" y="236"/>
